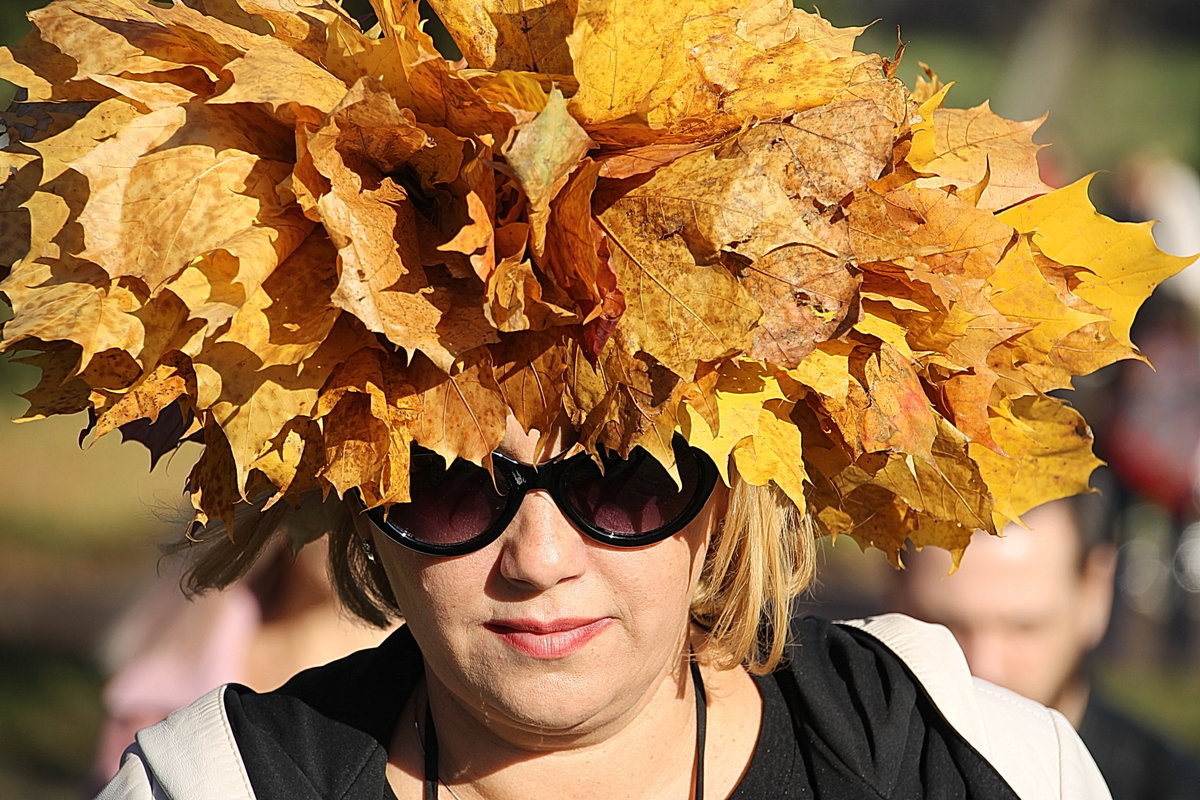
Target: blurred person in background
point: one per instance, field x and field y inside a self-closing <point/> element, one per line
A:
<point x="167" y="649"/>
<point x="1028" y="609"/>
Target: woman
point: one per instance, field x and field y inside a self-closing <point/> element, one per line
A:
<point x="654" y="261"/>
<point x="566" y="648"/>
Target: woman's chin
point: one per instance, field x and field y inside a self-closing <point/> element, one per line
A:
<point x="550" y="704"/>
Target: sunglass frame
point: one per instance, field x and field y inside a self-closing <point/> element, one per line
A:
<point x="524" y="478"/>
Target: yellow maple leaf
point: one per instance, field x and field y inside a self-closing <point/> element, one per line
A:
<point x="96" y="317"/>
<point x="1046" y="454"/>
<point x="969" y="144"/>
<point x="624" y="66"/>
<point x="253" y="399"/>
<point x="1122" y="262"/>
<point x="774" y="454"/>
<point x="155" y="391"/>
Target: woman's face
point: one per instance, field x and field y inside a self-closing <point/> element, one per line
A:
<point x="545" y="630"/>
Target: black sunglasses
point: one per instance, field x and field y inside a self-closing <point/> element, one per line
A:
<point x="631" y="502"/>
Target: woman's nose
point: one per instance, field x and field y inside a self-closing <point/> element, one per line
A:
<point x="541" y="548"/>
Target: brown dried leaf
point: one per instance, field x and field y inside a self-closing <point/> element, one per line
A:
<point x="511" y="34"/>
<point x="806" y="296"/>
<point x="178" y="184"/>
<point x="672" y="303"/>
<point x="463" y="414"/>
<point x="97" y="318"/>
<point x="767" y="23"/>
<point x="213" y="483"/>
<point x="531" y="369"/>
<point x="737" y="197"/>
<point x="899" y="417"/>
<point x="541" y="155"/>
<point x="835" y="148"/>
<point x="58" y="390"/>
<point x="18" y="238"/>
<point x="466" y="227"/>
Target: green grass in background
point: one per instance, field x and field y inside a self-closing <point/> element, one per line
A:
<point x="50" y="714"/>
<point x="1168" y="701"/>
<point x="59" y="498"/>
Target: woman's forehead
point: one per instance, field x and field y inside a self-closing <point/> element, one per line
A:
<point x="534" y="446"/>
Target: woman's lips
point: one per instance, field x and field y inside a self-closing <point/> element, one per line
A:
<point x="553" y="639"/>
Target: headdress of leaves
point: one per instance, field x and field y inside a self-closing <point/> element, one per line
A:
<point x="317" y="245"/>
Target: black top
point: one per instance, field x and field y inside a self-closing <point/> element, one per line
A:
<point x="843" y="719"/>
<point x="1137" y="763"/>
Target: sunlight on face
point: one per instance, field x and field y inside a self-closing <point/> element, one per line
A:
<point x="545" y="630"/>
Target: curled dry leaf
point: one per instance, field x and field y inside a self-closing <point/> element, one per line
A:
<point x="316" y="246"/>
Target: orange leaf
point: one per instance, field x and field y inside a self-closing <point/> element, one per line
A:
<point x="577" y="259"/>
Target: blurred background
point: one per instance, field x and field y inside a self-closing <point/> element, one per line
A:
<point x="81" y="528"/>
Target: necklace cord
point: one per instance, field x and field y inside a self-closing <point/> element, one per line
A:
<point x="701" y="728"/>
<point x="430" y="747"/>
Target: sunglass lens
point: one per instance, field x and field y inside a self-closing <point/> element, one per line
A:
<point x="632" y="496"/>
<point x="448" y="506"/>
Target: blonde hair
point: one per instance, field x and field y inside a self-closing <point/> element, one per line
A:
<point x="760" y="558"/>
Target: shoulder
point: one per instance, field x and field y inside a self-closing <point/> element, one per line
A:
<point x="190" y="754"/>
<point x="1034" y="748"/>
<point x="361" y="691"/>
<point x="227" y="742"/>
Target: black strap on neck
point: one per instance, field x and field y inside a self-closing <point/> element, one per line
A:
<point x="431" y="757"/>
<point x="701" y="728"/>
<point x="431" y="745"/>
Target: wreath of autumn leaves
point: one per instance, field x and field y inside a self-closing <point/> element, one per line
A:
<point x="311" y="245"/>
